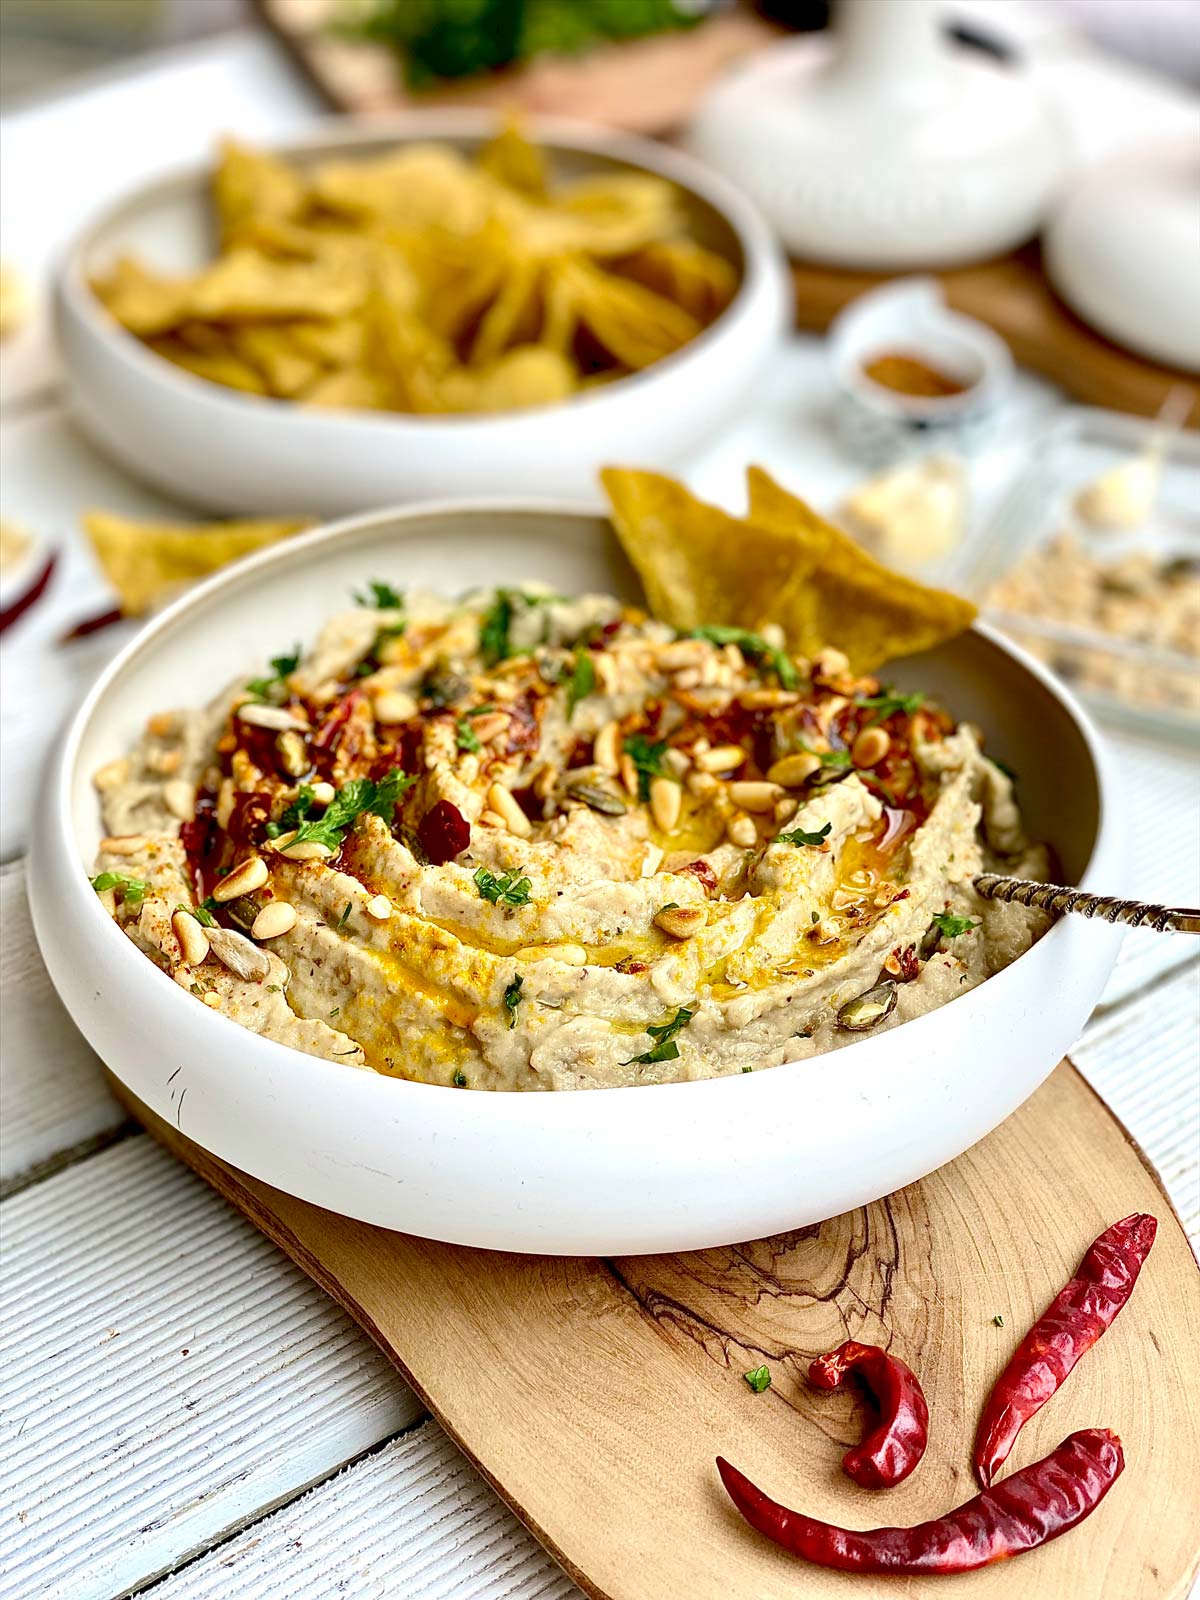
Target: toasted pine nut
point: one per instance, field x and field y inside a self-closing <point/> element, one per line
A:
<point x="606" y="751"/>
<point x="573" y="954"/>
<point x="193" y="941"/>
<point x="251" y="875"/>
<point x="794" y="770"/>
<point x="681" y="922"/>
<point x="688" y="678"/>
<point x="491" y="819"/>
<point x="774" y="635"/>
<point x="293" y="753"/>
<point x="543" y="784"/>
<point x="111" y="775"/>
<point x="702" y="784"/>
<point x="306" y="850"/>
<point x="323" y="793"/>
<point x="629" y="775"/>
<point x="605" y="669"/>
<point x="677" y="761"/>
<point x="869" y="749"/>
<point x="275" y="918"/>
<point x="378" y="908"/>
<point x="500" y="801"/>
<point x="161" y="725"/>
<point x="734" y="658"/>
<point x="721" y="758"/>
<point x="740" y="830"/>
<point x="682" y="653"/>
<point x="259" y="716"/>
<point x="126" y="844"/>
<point x="752" y="796"/>
<point x="768" y="699"/>
<point x="226" y="795"/>
<point x="164" y="762"/>
<point x="179" y="797"/>
<point x="212" y="999"/>
<point x="394" y="706"/>
<point x="666" y="802"/>
<point x="831" y="663"/>
<point x="489" y="726"/>
<point x="786" y="808"/>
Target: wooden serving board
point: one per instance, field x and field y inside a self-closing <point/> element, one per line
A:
<point x="594" y="1394"/>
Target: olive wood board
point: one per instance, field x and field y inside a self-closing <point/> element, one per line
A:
<point x="1012" y="295"/>
<point x="594" y="1394"/>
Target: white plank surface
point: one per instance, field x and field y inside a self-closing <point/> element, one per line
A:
<point x="413" y="1519"/>
<point x="165" y="1375"/>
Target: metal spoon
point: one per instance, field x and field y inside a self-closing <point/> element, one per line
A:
<point x="1056" y="900"/>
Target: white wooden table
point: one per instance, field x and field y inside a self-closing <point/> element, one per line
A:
<point x="181" y="1411"/>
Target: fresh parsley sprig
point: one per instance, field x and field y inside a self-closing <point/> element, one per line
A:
<point x="886" y="705"/>
<point x="647" y="756"/>
<point x="495" y="645"/>
<point x="281" y="667"/>
<point x="799" y="836"/>
<point x="583" y="681"/>
<point x="753" y="645"/>
<point x="512" y="998"/>
<point x="379" y="597"/>
<point x="950" y="926"/>
<point x="506" y="890"/>
<point x="357" y="798"/>
<point x="133" y="890"/>
<point x="663" y="1033"/>
<point x="759" y="1379"/>
<point x="465" y="736"/>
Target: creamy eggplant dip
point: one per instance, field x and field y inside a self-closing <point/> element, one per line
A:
<point x="525" y="841"/>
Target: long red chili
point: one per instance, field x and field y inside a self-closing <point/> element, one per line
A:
<point x="1071" y="1324"/>
<point x="1028" y="1509"/>
<point x="889" y="1452"/>
<point x="30" y="595"/>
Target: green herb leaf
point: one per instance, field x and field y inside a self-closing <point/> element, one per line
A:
<point x="953" y="927"/>
<point x="583" y="681"/>
<point x="799" y="837"/>
<point x="380" y="597"/>
<point x="133" y="890"/>
<point x="345" y="916"/>
<point x="663" y="1033"/>
<point x="759" y="1379"/>
<point x="887" y="704"/>
<point x="201" y="913"/>
<point x="512" y="998"/>
<point x="506" y="890"/>
<point x="493" y="630"/>
<point x="998" y="1319"/>
<point x="647" y="757"/>
<point x="753" y="645"/>
<point x="281" y="667"/>
<point x="356" y="799"/>
<point x="293" y="815"/>
<point x="465" y="736"/>
<point x="460" y="1079"/>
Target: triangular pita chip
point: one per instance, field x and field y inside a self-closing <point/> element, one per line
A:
<point x="145" y="561"/>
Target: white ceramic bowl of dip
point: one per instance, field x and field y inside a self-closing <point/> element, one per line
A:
<point x="231" y="452"/>
<point x="610" y="1171"/>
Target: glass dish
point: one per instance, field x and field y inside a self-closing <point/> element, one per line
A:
<point x="1122" y="679"/>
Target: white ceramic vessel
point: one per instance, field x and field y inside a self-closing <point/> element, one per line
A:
<point x="227" y="451"/>
<point x="665" y="1167"/>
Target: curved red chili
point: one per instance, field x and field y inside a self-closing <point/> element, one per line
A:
<point x="1028" y="1509"/>
<point x="1069" y="1326"/>
<point x="889" y="1452"/>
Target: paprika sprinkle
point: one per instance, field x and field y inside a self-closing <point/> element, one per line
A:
<point x="889" y="1452"/>
<point x="1028" y="1509"/>
<point x="1071" y="1324"/>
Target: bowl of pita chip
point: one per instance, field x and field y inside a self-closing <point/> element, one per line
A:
<point x="446" y="303"/>
<point x="542" y="880"/>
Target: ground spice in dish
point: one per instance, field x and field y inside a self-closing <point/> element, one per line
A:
<point x="911" y="375"/>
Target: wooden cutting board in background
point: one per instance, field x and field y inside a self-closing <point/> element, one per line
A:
<point x="594" y="1394"/>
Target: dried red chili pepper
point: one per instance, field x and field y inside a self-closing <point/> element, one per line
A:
<point x="1071" y="1324"/>
<point x="1028" y="1509"/>
<point x="30" y="595"/>
<point x="889" y="1452"/>
<point x="443" y="832"/>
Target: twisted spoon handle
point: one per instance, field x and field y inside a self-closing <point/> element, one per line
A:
<point x="1056" y="900"/>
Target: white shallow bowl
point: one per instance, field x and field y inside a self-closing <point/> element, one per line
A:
<point x="609" y="1171"/>
<point x="231" y="452"/>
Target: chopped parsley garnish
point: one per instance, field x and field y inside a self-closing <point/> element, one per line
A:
<point x="753" y="645"/>
<point x="798" y="836"/>
<point x="345" y="916"/>
<point x="583" y="681"/>
<point x="460" y="1079"/>
<point x="512" y="998"/>
<point x="281" y="668"/>
<point x="833" y="758"/>
<point x="998" y="1319"/>
<point x="294" y="814"/>
<point x="465" y="736"/>
<point x="665" y="1048"/>
<point x="493" y="630"/>
<point x="887" y="704"/>
<point x="133" y="890"/>
<point x="506" y="890"/>
<point x="201" y="913"/>
<point x="380" y="597"/>
<point x="952" y="926"/>
<point x="356" y="799"/>
<point x="647" y="756"/>
<point x="759" y="1379"/>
